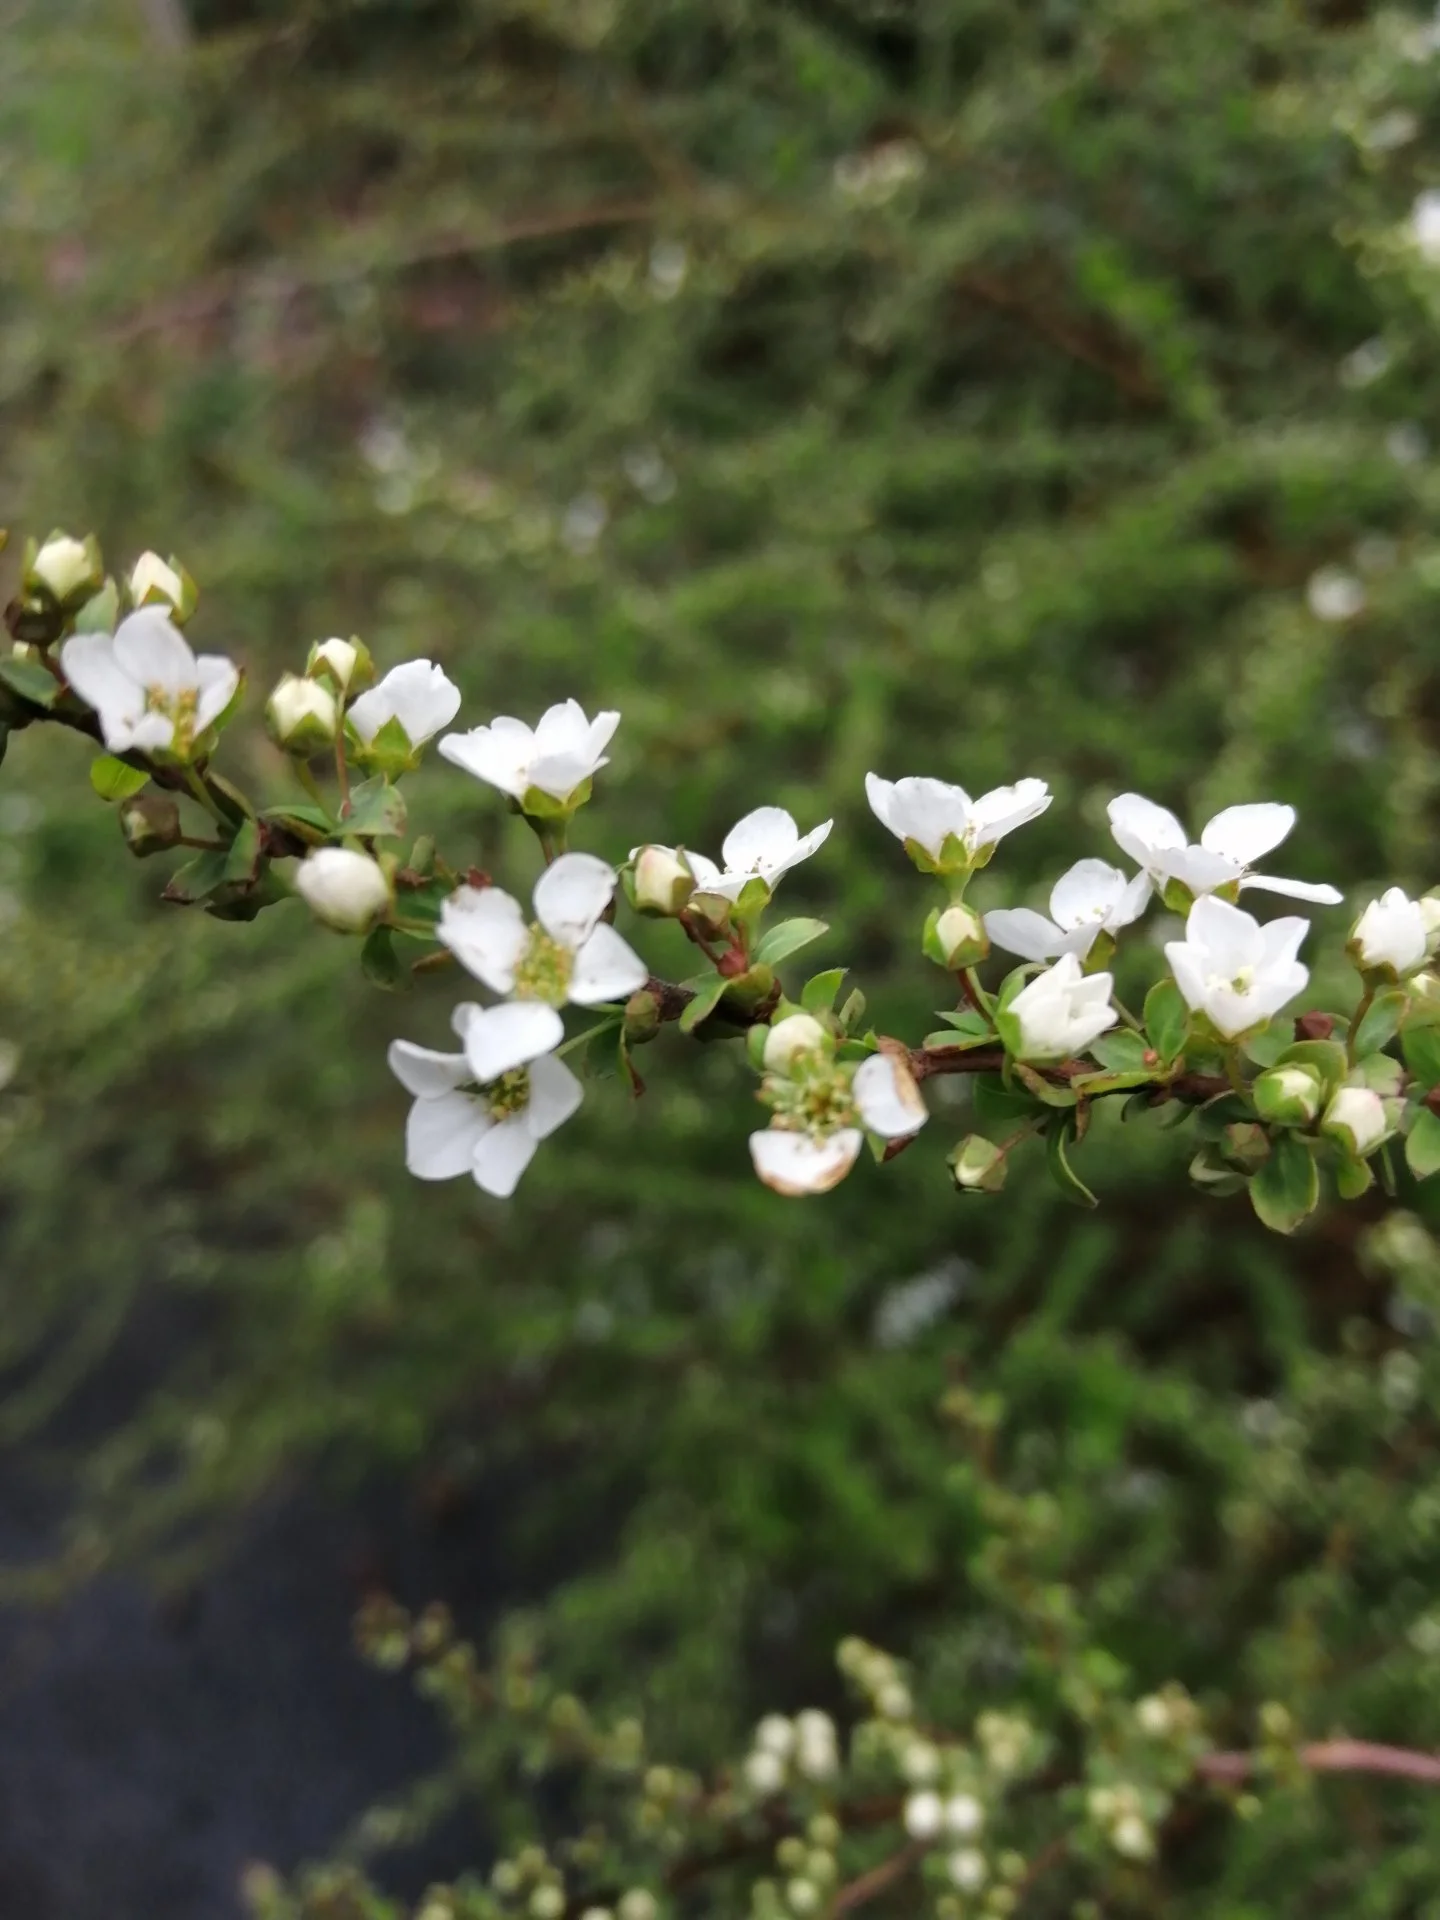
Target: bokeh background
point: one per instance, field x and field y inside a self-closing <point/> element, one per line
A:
<point x="948" y="386"/>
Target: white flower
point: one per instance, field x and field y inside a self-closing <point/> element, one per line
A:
<point x="775" y="1734"/>
<point x="1233" y="970"/>
<point x="162" y="583"/>
<point x="1425" y="224"/>
<point x="930" y="812"/>
<point x="805" y="1150"/>
<point x="345" y="889"/>
<point x="967" y="1869"/>
<point x="817" y="1753"/>
<point x="418" y="695"/>
<point x="1333" y="594"/>
<point x="488" y="1129"/>
<point x="924" y="1815"/>
<point x="1356" y="1117"/>
<point x="557" y="756"/>
<point x="569" y="954"/>
<point x="1060" y="1012"/>
<point x="964" y="1815"/>
<point x="151" y="692"/>
<point x="1156" y="841"/>
<point x="1392" y="932"/>
<point x="764" y="845"/>
<point x="1090" y="899"/>
<point x="302" y="714"/>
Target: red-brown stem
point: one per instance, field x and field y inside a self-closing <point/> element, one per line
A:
<point x="870" y="1885"/>
<point x="1333" y="1756"/>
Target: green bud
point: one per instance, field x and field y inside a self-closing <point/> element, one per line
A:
<point x="1288" y="1096"/>
<point x="977" y="1165"/>
<point x="709" y="913"/>
<point x="150" y="823"/>
<point x="642" y="1018"/>
<point x="955" y="937"/>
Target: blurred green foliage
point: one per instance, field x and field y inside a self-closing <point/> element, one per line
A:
<point x="927" y="385"/>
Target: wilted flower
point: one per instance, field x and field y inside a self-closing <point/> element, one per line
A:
<point x="151" y="692"/>
<point x="568" y="954"/>
<point x="345" y="889"/>
<point x="822" y="1110"/>
<point x="1157" y="842"/>
<point x="1088" y="900"/>
<point x="1392" y="933"/>
<point x="489" y="1130"/>
<point x="952" y="831"/>
<point x="557" y="757"/>
<point x="1233" y="970"/>
<point x="418" y="696"/>
<point x="1059" y="1013"/>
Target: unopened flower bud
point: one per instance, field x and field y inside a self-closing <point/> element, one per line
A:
<point x="1287" y="1096"/>
<point x="1131" y="1837"/>
<point x="977" y="1165"/>
<point x="708" y="913"/>
<point x="764" y="1772"/>
<point x="302" y="716"/>
<point x="150" y="823"/>
<point x="1356" y="1119"/>
<point x="1429" y="904"/>
<point x="344" y="889"/>
<point x="1390" y="936"/>
<point x="68" y="570"/>
<point x="799" y="1033"/>
<point x="967" y="1869"/>
<point x="924" y="1815"/>
<point x="956" y="938"/>
<point x="346" y="664"/>
<point x="964" y="1815"/>
<point x="638" y="1904"/>
<point x="642" y="1018"/>
<point x="660" y="882"/>
<point x="163" y="583"/>
<point x="1154" y="1716"/>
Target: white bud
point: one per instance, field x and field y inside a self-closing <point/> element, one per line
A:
<point x="764" y="1771"/>
<point x="1429" y="904"/>
<point x="802" y="1896"/>
<point x="67" y="568"/>
<point x="893" y="1701"/>
<point x="162" y="583"/>
<point x="964" y="1815"/>
<point x="345" y="890"/>
<point x="638" y="1904"/>
<point x="661" y="882"/>
<point x="924" y="1816"/>
<point x="1356" y="1118"/>
<point x="1131" y="1836"/>
<point x="967" y="1869"/>
<point x="345" y="663"/>
<point x="920" y="1762"/>
<point x="775" y="1734"/>
<point x="1287" y="1096"/>
<point x="960" y="939"/>
<point x="789" y="1038"/>
<point x="817" y="1753"/>
<point x="547" y="1903"/>
<point x="302" y="715"/>
<point x="1154" y="1716"/>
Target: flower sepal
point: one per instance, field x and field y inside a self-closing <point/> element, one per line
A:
<point x="546" y="809"/>
<point x="389" y="753"/>
<point x="1288" y="1096"/>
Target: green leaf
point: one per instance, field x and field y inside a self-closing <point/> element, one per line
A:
<point x="1422" y="1145"/>
<point x="788" y="937"/>
<point x="998" y="1107"/>
<point x="1045" y="1091"/>
<point x="1287" y="1188"/>
<point x="853" y="1011"/>
<point x="1225" y="1110"/>
<point x="1421" y="1048"/>
<point x="1092" y="1083"/>
<point x="197" y="879"/>
<point x="31" y="681"/>
<point x="376" y="809"/>
<point x="310" y="824"/>
<point x="1120" y="1052"/>
<point x="707" y="998"/>
<point x="1352" y="1178"/>
<point x="1059" y="1138"/>
<point x="967" y="1029"/>
<point x="380" y="963"/>
<point x="244" y="854"/>
<point x="1167" y="1020"/>
<point x="819" y="994"/>
<point x="1381" y="1022"/>
<point x="1266" y="1048"/>
<point x="1325" y="1057"/>
<point x="112" y="779"/>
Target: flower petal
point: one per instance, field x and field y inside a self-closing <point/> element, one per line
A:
<point x="1022" y="931"/>
<point x="555" y="1094"/>
<point x="559" y="774"/>
<point x="424" y="1072"/>
<point x="499" y="1039"/>
<point x="485" y="930"/>
<point x="562" y="729"/>
<point x="1281" y="940"/>
<point x="1131" y="904"/>
<point x="1198" y="868"/>
<point x="500" y="753"/>
<point x="1003" y="809"/>
<point x="502" y="1156"/>
<point x="1228" y="938"/>
<point x="1087" y="891"/>
<point x="1141" y="828"/>
<point x="888" y="1098"/>
<point x="441" y="1136"/>
<point x="762" y="839"/>
<point x="1244" y="833"/>
<point x="920" y="809"/>
<point x="97" y="676"/>
<point x="1189" y="973"/>
<point x="217" y="678"/>
<point x="571" y="895"/>
<point x="151" y="649"/>
<point x="1318" y="892"/>
<point x="803" y="848"/>
<point x="607" y="967"/>
<point x="793" y="1163"/>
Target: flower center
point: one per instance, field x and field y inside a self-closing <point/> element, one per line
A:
<point x="814" y="1097"/>
<point x="179" y="708"/>
<point x="508" y="1095"/>
<point x="1242" y="982"/>
<point x="543" y="970"/>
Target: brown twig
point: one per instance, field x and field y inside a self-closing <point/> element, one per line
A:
<point x="870" y="1885"/>
<point x="1332" y="1756"/>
